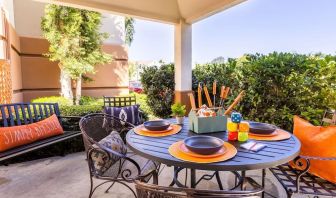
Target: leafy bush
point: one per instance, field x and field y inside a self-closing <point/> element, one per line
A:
<point x="277" y="85"/>
<point x="142" y="101"/>
<point x="223" y="73"/>
<point x="158" y="84"/>
<point x="280" y="85"/>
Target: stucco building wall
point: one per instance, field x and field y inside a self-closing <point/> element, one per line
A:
<point x="33" y="75"/>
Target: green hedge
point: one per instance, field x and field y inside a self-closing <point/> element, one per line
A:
<point x="80" y="110"/>
<point x="277" y="85"/>
<point x="280" y="85"/>
<point x="88" y="105"/>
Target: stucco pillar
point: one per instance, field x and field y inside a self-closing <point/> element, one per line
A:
<point x="183" y="66"/>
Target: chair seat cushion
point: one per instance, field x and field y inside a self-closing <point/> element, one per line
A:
<point x="129" y="170"/>
<point x="14" y="136"/>
<point x="317" y="141"/>
<point x="128" y="114"/>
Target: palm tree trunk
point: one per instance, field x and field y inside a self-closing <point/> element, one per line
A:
<point x="66" y="89"/>
<point x="78" y="89"/>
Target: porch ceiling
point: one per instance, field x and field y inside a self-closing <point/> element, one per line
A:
<point x="167" y="11"/>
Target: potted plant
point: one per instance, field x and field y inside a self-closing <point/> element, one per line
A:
<point x="179" y="111"/>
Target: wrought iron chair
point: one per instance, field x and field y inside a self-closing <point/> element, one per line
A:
<point x="302" y="182"/>
<point x="329" y="117"/>
<point x="122" y="101"/>
<point x="119" y="101"/>
<point x="299" y="180"/>
<point x="108" y="162"/>
<point x="154" y="191"/>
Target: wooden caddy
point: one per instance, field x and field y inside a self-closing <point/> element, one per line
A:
<point x="209" y="124"/>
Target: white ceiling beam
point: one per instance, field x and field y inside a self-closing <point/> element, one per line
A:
<point x="113" y="9"/>
<point x="211" y="10"/>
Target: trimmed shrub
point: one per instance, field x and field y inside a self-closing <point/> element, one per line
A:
<point x="88" y="100"/>
<point x="88" y="105"/>
<point x="53" y="99"/>
<point x="80" y="110"/>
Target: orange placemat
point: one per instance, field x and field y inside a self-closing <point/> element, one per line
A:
<point x="281" y="135"/>
<point x="175" y="151"/>
<point x="185" y="150"/>
<point x="140" y="130"/>
<point x="265" y="135"/>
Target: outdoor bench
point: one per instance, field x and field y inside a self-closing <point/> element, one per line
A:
<point x="17" y="114"/>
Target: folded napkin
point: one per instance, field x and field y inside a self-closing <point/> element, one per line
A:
<point x="253" y="146"/>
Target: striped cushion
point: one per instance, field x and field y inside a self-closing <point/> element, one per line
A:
<point x="129" y="114"/>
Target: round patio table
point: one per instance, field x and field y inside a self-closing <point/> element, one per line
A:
<point x="156" y="148"/>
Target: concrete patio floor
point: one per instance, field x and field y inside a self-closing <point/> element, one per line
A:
<point x="68" y="177"/>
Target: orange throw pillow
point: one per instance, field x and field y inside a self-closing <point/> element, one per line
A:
<point x="317" y="141"/>
<point x="11" y="137"/>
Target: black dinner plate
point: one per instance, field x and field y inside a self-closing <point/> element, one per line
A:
<point x="261" y="128"/>
<point x="156" y="125"/>
<point x="204" y="145"/>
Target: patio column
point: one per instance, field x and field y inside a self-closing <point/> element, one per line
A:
<point x="183" y="66"/>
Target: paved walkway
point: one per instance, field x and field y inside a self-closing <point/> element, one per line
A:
<point x="68" y="176"/>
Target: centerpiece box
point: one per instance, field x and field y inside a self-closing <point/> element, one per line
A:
<point x="208" y="124"/>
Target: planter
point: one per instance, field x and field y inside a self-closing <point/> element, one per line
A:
<point x="179" y="120"/>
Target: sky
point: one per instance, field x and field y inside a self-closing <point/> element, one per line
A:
<point x="263" y="26"/>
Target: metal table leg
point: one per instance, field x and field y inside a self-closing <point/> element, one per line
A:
<point x="220" y="185"/>
<point x="175" y="178"/>
<point x="238" y="180"/>
<point x="243" y="185"/>
<point x="192" y="178"/>
<point x="263" y="176"/>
